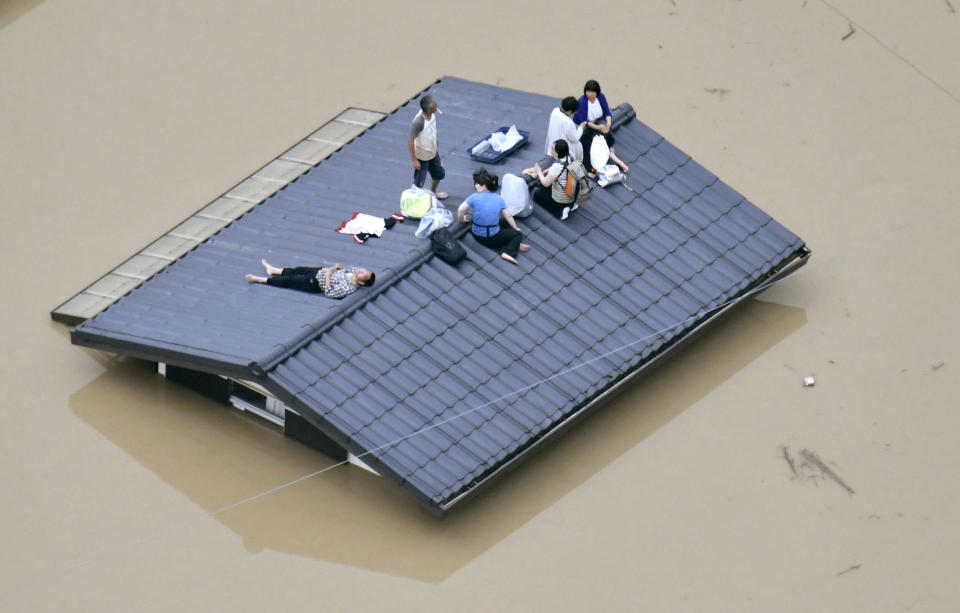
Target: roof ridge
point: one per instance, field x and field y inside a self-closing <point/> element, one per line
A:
<point x="324" y="324"/>
<point x="622" y="115"/>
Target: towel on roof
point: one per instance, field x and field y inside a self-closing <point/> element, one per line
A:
<point x="363" y="226"/>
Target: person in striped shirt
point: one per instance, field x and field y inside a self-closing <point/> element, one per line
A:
<point x="552" y="192"/>
<point x="334" y="281"/>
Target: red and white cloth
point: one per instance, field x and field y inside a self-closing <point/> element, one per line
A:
<point x="363" y="226"/>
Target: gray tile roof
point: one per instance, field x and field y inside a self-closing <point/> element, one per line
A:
<point x="441" y="376"/>
<point x="209" y="220"/>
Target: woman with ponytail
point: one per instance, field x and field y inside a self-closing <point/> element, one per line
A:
<point x="493" y="225"/>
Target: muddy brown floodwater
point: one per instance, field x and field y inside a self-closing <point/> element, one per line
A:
<point x="718" y="483"/>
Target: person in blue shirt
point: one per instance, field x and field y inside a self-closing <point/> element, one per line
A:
<point x="492" y="224"/>
<point x="593" y="115"/>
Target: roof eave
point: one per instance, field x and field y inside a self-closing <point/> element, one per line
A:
<point x="786" y="268"/>
<point x="215" y="363"/>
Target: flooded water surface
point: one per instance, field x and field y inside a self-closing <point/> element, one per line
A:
<point x="717" y="482"/>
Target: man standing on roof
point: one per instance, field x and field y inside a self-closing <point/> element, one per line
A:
<point x="424" y="146"/>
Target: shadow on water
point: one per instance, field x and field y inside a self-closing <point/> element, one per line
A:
<point x="219" y="456"/>
<point x="11" y="10"/>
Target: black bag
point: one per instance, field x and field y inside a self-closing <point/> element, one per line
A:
<point x="446" y="247"/>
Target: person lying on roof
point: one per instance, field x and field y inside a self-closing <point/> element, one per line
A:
<point x="333" y="282"/>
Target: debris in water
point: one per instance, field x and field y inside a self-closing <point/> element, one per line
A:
<point x="809" y="381"/>
<point x="786" y="456"/>
<point x="852" y="568"/>
<point x="720" y="91"/>
<point x="810" y="467"/>
<point x="849" y="34"/>
<point x="812" y="458"/>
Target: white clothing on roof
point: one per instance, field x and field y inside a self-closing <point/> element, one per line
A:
<point x="363" y="223"/>
<point x="594" y="110"/>
<point x="562" y="126"/>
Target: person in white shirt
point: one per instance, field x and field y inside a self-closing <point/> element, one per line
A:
<point x="424" y="147"/>
<point x="562" y="126"/>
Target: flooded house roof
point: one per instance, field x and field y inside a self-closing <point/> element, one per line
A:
<point x="442" y="377"/>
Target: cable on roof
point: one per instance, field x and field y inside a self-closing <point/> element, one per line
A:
<point x="495" y="400"/>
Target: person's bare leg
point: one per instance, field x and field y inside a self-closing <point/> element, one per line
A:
<point x="618" y="161"/>
<point x="508" y="258"/>
<point x="271" y="270"/>
<point x="255" y="279"/>
<point x="433" y="188"/>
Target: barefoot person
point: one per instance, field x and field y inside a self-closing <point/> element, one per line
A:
<point x="333" y="282"/>
<point x="493" y="225"/>
<point x="424" y="147"/>
<point x="593" y="115"/>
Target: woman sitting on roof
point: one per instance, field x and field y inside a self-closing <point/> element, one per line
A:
<point x="493" y="225"/>
<point x="593" y="115"/>
<point x="553" y="193"/>
<point x="333" y="282"/>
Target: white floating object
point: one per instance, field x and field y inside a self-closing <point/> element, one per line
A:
<point x="809" y="381"/>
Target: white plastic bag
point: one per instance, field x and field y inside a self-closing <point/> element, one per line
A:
<point x="517" y="196"/>
<point x="599" y="151"/>
<point x="513" y="137"/>
<point x="609" y="174"/>
<point x="498" y="141"/>
<point x="480" y="147"/>
<point x="434" y="219"/>
<point x="501" y="141"/>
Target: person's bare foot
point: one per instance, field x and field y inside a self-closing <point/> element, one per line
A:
<point x="508" y="258"/>
<point x="255" y="279"/>
<point x="442" y="195"/>
<point x="524" y="247"/>
<point x="271" y="270"/>
<point x="623" y="167"/>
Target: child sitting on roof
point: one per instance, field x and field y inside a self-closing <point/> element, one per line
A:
<point x="333" y="282"/>
<point x="493" y="225"/>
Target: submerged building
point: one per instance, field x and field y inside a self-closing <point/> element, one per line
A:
<point x="439" y="378"/>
